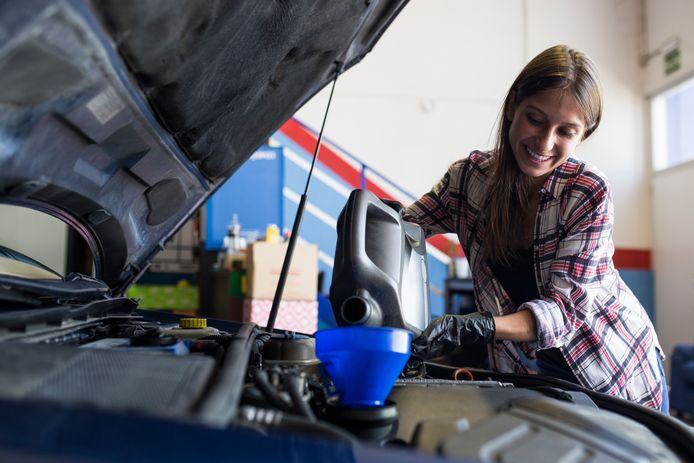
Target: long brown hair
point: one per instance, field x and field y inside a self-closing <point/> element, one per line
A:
<point x="508" y="199"/>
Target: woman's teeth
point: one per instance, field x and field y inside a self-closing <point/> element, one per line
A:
<point x="535" y="156"/>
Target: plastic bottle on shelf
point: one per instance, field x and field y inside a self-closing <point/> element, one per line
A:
<point x="232" y="241"/>
<point x="272" y="233"/>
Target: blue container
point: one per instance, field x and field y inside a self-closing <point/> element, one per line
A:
<point x="363" y="361"/>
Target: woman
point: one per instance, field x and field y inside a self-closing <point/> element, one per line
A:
<point x="536" y="226"/>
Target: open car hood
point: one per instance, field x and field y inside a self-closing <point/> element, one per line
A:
<point x="122" y="117"/>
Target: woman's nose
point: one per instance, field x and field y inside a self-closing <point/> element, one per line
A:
<point x="545" y="140"/>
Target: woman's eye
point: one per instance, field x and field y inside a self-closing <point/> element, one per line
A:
<point x="567" y="133"/>
<point x="533" y="120"/>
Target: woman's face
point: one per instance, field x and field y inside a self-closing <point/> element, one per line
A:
<point x="545" y="130"/>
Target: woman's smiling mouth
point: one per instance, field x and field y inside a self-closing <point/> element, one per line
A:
<point x="535" y="156"/>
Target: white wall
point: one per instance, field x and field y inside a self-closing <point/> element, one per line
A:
<point x="34" y="234"/>
<point x="667" y="19"/>
<point x="673" y="189"/>
<point x="673" y="255"/>
<point x="431" y="90"/>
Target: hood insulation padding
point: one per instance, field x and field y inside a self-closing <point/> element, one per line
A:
<point x="223" y="76"/>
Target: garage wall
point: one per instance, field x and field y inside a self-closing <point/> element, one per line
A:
<point x="430" y="91"/>
<point x="673" y="189"/>
<point x="668" y="19"/>
<point x="34" y="234"/>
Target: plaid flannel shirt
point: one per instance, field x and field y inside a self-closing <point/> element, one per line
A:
<point x="585" y="309"/>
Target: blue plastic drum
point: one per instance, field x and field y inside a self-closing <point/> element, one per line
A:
<point x="363" y="361"/>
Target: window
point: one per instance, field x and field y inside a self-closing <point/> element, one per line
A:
<point x="672" y="125"/>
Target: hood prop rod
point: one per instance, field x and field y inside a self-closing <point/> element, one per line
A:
<point x="297" y="220"/>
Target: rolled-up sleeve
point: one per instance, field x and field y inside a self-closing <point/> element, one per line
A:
<point x="583" y="258"/>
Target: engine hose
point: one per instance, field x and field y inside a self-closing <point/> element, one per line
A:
<point x="467" y="374"/>
<point x="223" y="339"/>
<point x="295" y="385"/>
<point x="269" y="391"/>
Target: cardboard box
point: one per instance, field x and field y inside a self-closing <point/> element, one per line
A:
<point x="264" y="265"/>
<point x="300" y="316"/>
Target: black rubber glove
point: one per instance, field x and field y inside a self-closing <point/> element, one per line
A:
<point x="446" y="333"/>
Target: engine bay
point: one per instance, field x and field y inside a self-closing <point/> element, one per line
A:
<point x="237" y="375"/>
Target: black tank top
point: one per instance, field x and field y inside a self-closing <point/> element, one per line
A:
<point x="518" y="279"/>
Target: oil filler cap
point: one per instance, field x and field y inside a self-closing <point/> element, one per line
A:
<point x="192" y="323"/>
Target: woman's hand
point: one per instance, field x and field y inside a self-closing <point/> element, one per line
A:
<point x="446" y="333"/>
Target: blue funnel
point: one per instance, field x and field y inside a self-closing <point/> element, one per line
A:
<point x="363" y="361"/>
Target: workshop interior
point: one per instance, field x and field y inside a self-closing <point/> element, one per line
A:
<point x="203" y="252"/>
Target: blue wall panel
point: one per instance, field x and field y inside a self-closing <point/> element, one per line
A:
<point x="254" y="193"/>
<point x="641" y="284"/>
<point x="321" y="195"/>
<point x="438" y="271"/>
<point x="316" y="232"/>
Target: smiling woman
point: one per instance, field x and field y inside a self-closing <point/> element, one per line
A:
<point x="536" y="225"/>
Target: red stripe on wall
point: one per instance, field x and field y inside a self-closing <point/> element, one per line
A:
<point x="377" y="190"/>
<point x="631" y="259"/>
<point x="307" y="141"/>
<point x="443" y="244"/>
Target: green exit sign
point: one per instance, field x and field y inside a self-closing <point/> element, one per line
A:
<point x="672" y="61"/>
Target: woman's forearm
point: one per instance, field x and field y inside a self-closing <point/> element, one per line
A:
<point x="519" y="326"/>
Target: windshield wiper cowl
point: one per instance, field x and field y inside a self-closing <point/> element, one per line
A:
<point x="75" y="287"/>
